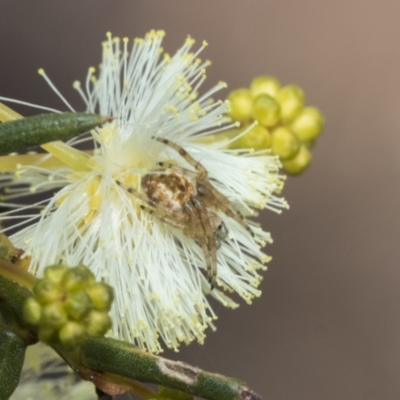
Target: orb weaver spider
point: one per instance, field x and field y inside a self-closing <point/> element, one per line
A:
<point x="186" y="200"/>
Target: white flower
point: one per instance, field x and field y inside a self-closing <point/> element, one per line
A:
<point x="157" y="272"/>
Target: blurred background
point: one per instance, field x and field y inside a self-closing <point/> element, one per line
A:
<point x="328" y="324"/>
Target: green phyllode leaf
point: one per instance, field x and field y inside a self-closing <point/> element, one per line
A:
<point x="12" y="354"/>
<point x="32" y="131"/>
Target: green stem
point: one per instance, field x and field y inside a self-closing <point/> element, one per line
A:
<point x="12" y="299"/>
<point x="16" y="274"/>
<point x="124" y="359"/>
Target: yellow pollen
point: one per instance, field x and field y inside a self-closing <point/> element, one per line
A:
<point x="41" y="71"/>
<point x="76" y="85"/>
<point x="190" y="41"/>
<point x="172" y="109"/>
<point x="129" y="179"/>
<point x="167" y="58"/>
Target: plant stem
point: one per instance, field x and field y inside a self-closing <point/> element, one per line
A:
<point x="16" y="274"/>
<point x="126" y="360"/>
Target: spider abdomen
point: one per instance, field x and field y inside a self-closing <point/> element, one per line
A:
<point x="172" y="190"/>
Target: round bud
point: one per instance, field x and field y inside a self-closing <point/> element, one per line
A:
<point x="71" y="334"/>
<point x="101" y="295"/>
<point x="284" y="143"/>
<point x="53" y="316"/>
<point x="257" y="138"/>
<point x="299" y="163"/>
<point x="78" y="305"/>
<point x="266" y="110"/>
<point x="77" y="278"/>
<point x="47" y="292"/>
<point x="308" y="124"/>
<point x="264" y="85"/>
<point x="55" y="273"/>
<point x="240" y="102"/>
<point x="32" y="311"/>
<point x="98" y="323"/>
<point x="291" y="99"/>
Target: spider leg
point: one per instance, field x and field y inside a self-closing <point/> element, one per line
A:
<point x="219" y="201"/>
<point x="199" y="234"/>
<point x="210" y="241"/>
<point x="203" y="173"/>
<point x="177" y="168"/>
<point x="164" y="218"/>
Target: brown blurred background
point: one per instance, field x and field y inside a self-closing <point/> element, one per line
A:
<point x="328" y="323"/>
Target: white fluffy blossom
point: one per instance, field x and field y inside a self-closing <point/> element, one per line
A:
<point x="157" y="272"/>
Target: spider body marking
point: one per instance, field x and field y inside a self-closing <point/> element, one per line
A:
<point x="186" y="200"/>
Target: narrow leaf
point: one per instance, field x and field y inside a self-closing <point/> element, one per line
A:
<point x="32" y="131"/>
<point x="12" y="354"/>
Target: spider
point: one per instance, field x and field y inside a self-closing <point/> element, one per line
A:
<point x="186" y="200"/>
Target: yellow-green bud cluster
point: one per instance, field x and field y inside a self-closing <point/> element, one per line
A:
<point x="68" y="304"/>
<point x="284" y="124"/>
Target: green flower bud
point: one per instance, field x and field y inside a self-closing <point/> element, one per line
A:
<point x="101" y="295"/>
<point x="71" y="334"/>
<point x="77" y="278"/>
<point x="308" y="124"/>
<point x="299" y="163"/>
<point x="257" y="138"/>
<point x="241" y="102"/>
<point x="47" y="292"/>
<point x="291" y="99"/>
<point x="266" y="110"/>
<point x="98" y="323"/>
<point x="284" y="143"/>
<point x="264" y="85"/>
<point x="32" y="311"/>
<point x="55" y="273"/>
<point x="62" y="305"/>
<point x="53" y="316"/>
<point x="78" y="305"/>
